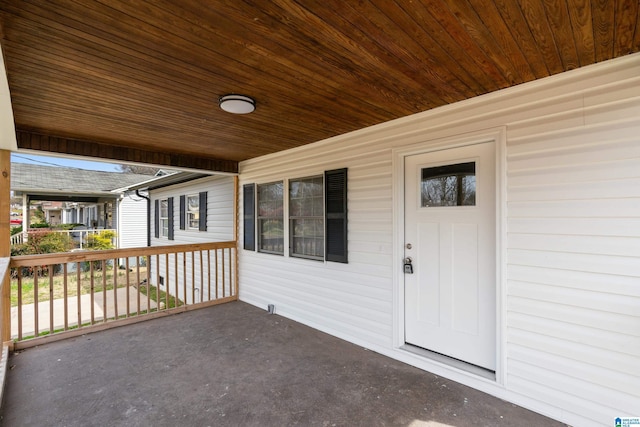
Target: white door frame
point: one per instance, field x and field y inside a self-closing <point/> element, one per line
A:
<point x="499" y="136"/>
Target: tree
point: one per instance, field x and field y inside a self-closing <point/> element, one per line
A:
<point x="139" y="169"/>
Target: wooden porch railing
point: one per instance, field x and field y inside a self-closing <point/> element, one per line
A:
<point x="59" y="295"/>
<point x="79" y="237"/>
<point x="18" y="238"/>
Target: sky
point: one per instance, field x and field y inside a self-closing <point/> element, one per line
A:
<point x="61" y="161"/>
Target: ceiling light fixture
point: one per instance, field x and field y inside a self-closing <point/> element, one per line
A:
<point x="237" y="104"/>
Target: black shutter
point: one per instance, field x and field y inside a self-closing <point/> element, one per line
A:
<point x="202" y="226"/>
<point x="249" y="210"/>
<point x="156" y="222"/>
<point x="170" y="215"/>
<point x="183" y="212"/>
<point x="335" y="190"/>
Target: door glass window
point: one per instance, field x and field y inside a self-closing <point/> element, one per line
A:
<point x="450" y="185"/>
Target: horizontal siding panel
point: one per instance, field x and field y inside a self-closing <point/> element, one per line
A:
<point x="615" y="285"/>
<point x="595" y="245"/>
<point x="576" y="173"/>
<point x="622" y="226"/>
<point x="606" y="358"/>
<point x="333" y="293"/>
<point x="593" y="190"/>
<point x="571" y="117"/>
<point x="619" y="110"/>
<point x="567" y="312"/>
<point x="577" y="411"/>
<point x="611" y="208"/>
<point x="617" y="381"/>
<point x="327" y="320"/>
<point x="582" y="142"/>
<point x="575" y="333"/>
<point x="584" y="390"/>
<point x="625" y="90"/>
<point x="345" y="278"/>
<point x="627" y="266"/>
<point x="599" y="299"/>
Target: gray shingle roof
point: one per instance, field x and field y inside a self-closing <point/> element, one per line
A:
<point x="49" y="179"/>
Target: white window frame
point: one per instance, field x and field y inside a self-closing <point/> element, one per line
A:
<point x="262" y="219"/>
<point x="164" y="219"/>
<point x="193" y="214"/>
<point x="316" y="214"/>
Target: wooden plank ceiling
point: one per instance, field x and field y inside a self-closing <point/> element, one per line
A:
<point x="139" y="81"/>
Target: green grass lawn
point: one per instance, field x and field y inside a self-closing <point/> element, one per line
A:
<point x="28" y="296"/>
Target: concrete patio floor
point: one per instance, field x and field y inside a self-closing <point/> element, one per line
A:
<point x="234" y="365"/>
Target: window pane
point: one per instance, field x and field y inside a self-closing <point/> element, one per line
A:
<point x="194" y="219"/>
<point x="271" y="218"/>
<point x="306" y="214"/>
<point x="271" y="235"/>
<point x="451" y="185"/>
<point x="193" y="203"/>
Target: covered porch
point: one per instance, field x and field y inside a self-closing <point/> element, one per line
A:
<point x="234" y="364"/>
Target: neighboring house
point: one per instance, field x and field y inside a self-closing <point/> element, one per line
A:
<point x="188" y="208"/>
<point x="53" y="212"/>
<point x="520" y="213"/>
<point x="79" y="196"/>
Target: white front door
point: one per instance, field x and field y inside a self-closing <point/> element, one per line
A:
<point x="450" y="297"/>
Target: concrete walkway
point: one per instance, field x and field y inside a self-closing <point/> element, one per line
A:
<point x="28" y="318"/>
<point x="235" y="365"/>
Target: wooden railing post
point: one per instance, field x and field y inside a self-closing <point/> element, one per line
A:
<point x="5" y="241"/>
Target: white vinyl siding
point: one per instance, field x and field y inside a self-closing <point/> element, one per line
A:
<point x="132" y="222"/>
<point x="220" y="228"/>
<point x="569" y="305"/>
<point x="219" y="210"/>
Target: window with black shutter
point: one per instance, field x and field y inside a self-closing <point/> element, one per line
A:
<point x="335" y="182"/>
<point x="183" y="212"/>
<point x="170" y="218"/>
<point x="202" y="211"/>
<point x="249" y="216"/>
<point x="156" y="222"/>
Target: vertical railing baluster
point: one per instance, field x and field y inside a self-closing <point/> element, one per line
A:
<point x="103" y="263"/>
<point x="216" y="269"/>
<point x="184" y="276"/>
<point x="158" y="283"/>
<point x="193" y="277"/>
<point x="175" y="278"/>
<point x="115" y="288"/>
<point x="35" y="301"/>
<point x="230" y="272"/>
<point x="138" y="284"/>
<point x="126" y="275"/>
<point x="224" y="277"/>
<point x="50" y="270"/>
<point x="92" y="289"/>
<point x="201" y="291"/>
<point x="79" y="292"/>
<point x="19" y="303"/>
<point x="148" y="284"/>
<point x="166" y="280"/>
<point x="66" y="296"/>
<point x="208" y="275"/>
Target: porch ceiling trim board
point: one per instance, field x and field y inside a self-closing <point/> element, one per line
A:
<point x="34" y="141"/>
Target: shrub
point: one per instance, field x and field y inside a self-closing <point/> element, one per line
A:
<point x="100" y="241"/>
<point x="40" y="225"/>
<point x="16" y="230"/>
